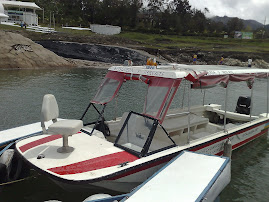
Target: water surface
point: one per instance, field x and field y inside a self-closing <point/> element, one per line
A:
<point x="21" y="94"/>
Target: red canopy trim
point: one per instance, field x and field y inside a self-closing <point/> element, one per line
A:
<point x="119" y="76"/>
<point x="136" y="77"/>
<point x="262" y="75"/>
<point x="211" y="81"/>
<point x="243" y="77"/>
<point x="193" y="76"/>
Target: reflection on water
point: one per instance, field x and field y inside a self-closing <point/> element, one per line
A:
<point x="22" y="91"/>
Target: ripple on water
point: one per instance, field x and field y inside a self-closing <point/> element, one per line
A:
<point x="22" y="91"/>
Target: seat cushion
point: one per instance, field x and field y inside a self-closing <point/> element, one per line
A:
<point x="65" y="127"/>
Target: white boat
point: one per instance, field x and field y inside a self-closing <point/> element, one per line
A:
<point x="130" y="149"/>
<point x="184" y="178"/>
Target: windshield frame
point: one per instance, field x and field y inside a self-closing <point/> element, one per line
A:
<point x="145" y="150"/>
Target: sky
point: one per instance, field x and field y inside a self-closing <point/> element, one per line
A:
<point x="245" y="9"/>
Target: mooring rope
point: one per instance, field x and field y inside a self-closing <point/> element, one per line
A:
<point x="15" y="181"/>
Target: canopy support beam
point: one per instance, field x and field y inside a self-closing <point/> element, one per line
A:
<point x="267" y="97"/>
<point x="251" y="103"/>
<point x="183" y="97"/>
<point x="226" y="101"/>
<point x="204" y="98"/>
<point x="189" y="111"/>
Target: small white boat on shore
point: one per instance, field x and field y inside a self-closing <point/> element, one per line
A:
<point x="122" y="153"/>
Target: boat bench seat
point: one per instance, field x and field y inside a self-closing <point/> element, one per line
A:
<point x="229" y="115"/>
<point x="179" y="125"/>
<point x="177" y="128"/>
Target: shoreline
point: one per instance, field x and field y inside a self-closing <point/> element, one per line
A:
<point x="20" y="52"/>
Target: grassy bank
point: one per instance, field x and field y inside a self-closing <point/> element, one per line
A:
<point x="163" y="42"/>
<point x="203" y="43"/>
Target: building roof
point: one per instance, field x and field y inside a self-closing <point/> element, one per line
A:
<point x="2" y="15"/>
<point x="19" y="4"/>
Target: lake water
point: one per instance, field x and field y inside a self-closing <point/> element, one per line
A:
<point x="21" y="94"/>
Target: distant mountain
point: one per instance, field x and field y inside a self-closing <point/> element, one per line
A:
<point x="223" y="19"/>
<point x="251" y="23"/>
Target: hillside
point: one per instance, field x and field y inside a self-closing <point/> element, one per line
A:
<point x="247" y="23"/>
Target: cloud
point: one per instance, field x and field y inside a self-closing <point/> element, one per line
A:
<point x="245" y="9"/>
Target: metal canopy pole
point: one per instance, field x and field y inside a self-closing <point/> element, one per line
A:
<point x="267" y="97"/>
<point x="204" y="98"/>
<point x="251" y="102"/>
<point x="189" y="121"/>
<point x="226" y="101"/>
<point x="182" y="105"/>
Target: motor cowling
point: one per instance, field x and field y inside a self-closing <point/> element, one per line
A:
<point x="243" y="105"/>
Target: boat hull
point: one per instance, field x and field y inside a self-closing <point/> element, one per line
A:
<point x="131" y="177"/>
<point x="128" y="178"/>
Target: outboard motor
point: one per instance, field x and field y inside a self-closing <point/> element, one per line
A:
<point x="243" y="105"/>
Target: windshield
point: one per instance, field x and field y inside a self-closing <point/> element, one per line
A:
<point x="108" y="88"/>
<point x="138" y="136"/>
<point x="160" y="93"/>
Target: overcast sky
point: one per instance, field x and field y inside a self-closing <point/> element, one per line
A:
<point x="245" y="9"/>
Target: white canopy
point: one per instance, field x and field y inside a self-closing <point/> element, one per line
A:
<point x="19" y="4"/>
<point x="179" y="71"/>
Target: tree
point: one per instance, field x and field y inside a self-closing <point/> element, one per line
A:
<point x="183" y="11"/>
<point x="235" y="24"/>
<point x="154" y="11"/>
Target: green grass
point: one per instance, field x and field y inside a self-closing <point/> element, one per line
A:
<point x="203" y="43"/>
<point x="9" y="28"/>
<point x="166" y="42"/>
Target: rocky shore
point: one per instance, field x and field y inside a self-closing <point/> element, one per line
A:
<point x="18" y="51"/>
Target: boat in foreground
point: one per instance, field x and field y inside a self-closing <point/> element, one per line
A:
<point x="120" y="154"/>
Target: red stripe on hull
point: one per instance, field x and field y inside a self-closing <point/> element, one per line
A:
<point x="95" y="163"/>
<point x="223" y="138"/>
<point x="44" y="140"/>
<point x="248" y="140"/>
<point x="150" y="165"/>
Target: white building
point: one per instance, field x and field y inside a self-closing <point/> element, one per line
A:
<point x="20" y="12"/>
<point x="2" y="14"/>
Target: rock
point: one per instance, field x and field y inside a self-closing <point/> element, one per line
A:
<point x="233" y="62"/>
<point x="17" y="51"/>
<point x="261" y="64"/>
<point x="95" y="52"/>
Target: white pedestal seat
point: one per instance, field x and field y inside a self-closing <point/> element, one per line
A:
<point x="65" y="128"/>
<point x="50" y="111"/>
